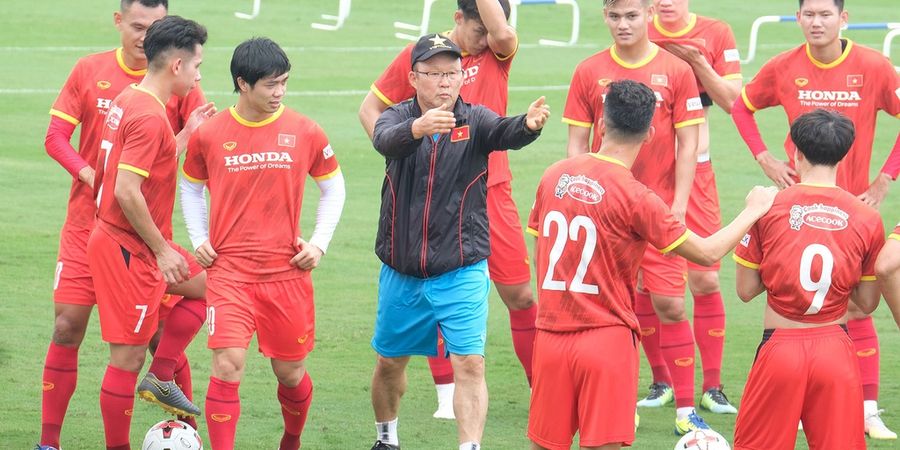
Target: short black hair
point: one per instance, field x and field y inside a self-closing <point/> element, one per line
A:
<point x="838" y="3"/>
<point x="258" y="58"/>
<point x="125" y="4"/>
<point x="628" y="110"/>
<point x="470" y="9"/>
<point x="172" y="33"/>
<point x="824" y="137"/>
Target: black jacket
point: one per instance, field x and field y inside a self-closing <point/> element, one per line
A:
<point x="433" y="208"/>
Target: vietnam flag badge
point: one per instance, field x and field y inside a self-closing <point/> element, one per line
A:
<point x="459" y="134"/>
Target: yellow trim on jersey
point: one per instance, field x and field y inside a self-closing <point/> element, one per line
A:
<point x="894" y="236"/>
<point x="744" y="262"/>
<point x="64" y="116"/>
<point x="733" y="76"/>
<point x="747" y="100"/>
<point x="261" y="123"/>
<point x="654" y="49"/>
<point x="868" y="278"/>
<point x="504" y="58"/>
<point x="692" y="21"/>
<point x="577" y="123"/>
<point x="329" y="175"/>
<point x="136" y="170"/>
<point x="532" y="231"/>
<point x="120" y="58"/>
<point x="190" y="178"/>
<point x="679" y="241"/>
<point x="381" y="96"/>
<point x="138" y="88"/>
<point x="608" y="159"/>
<point x="834" y="63"/>
<point x="822" y="185"/>
<point x="688" y="123"/>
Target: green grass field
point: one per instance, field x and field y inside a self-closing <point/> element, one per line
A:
<point x="40" y="42"/>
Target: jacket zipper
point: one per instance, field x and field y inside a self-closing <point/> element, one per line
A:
<point x="434" y="148"/>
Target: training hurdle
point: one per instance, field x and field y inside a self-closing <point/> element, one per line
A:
<point x="418" y="30"/>
<point x="343" y="13"/>
<point x="762" y="20"/>
<point x="576" y="19"/>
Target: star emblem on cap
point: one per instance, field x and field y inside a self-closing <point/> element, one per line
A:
<point x="438" y="41"/>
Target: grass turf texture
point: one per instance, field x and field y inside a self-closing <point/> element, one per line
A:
<point x="40" y="43"/>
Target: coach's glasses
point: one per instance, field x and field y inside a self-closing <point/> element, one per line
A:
<point x="435" y="76"/>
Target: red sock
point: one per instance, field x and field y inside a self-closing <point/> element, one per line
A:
<point x="441" y="369"/>
<point x="223" y="409"/>
<point x="643" y="308"/>
<point x="60" y="377"/>
<point x="183" y="380"/>
<point x="295" y="403"/>
<point x="709" y="332"/>
<point x="117" y="405"/>
<point x="865" y="340"/>
<point x="678" y="349"/>
<point x="521" y="323"/>
<point x="181" y="326"/>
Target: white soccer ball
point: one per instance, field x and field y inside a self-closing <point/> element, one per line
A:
<point x="172" y="435"/>
<point x="702" y="440"/>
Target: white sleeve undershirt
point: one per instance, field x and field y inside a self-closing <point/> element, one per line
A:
<point x="328" y="213"/>
<point x="195" y="211"/>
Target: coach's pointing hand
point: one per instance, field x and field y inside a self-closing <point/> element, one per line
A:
<point x="538" y="113"/>
<point x="436" y="120"/>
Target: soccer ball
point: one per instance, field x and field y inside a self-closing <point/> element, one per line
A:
<point x="702" y="440"/>
<point x="172" y="435"/>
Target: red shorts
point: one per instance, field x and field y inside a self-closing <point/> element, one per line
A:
<point x="578" y="388"/>
<point x="703" y="214"/>
<point x="508" y="263"/>
<point x="282" y="314"/>
<point x="803" y="374"/>
<point x="663" y="274"/>
<point x="72" y="283"/>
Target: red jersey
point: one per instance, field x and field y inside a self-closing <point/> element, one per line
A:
<point x="592" y="220"/>
<point x="137" y="137"/>
<point x="485" y="82"/>
<point x="256" y="172"/>
<point x="709" y="34"/>
<point x="85" y="99"/>
<point x="811" y="249"/>
<point x="857" y="84"/>
<point x="678" y="105"/>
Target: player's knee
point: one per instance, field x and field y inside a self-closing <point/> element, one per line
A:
<point x="68" y="331"/>
<point x="290" y="378"/>
<point x="390" y="368"/>
<point x="703" y="282"/>
<point x="669" y="309"/>
<point x="228" y="369"/>
<point x="467" y="368"/>
<point x="516" y="297"/>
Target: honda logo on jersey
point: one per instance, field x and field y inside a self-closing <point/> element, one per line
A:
<point x="287" y="140"/>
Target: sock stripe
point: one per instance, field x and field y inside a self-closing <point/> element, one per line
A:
<point x="213" y="399"/>
<point x="116" y="394"/>
<point x="707" y="316"/>
<point x="60" y="369"/>
<point x="523" y="329"/>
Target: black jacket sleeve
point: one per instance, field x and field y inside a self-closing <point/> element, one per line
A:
<point x="393" y="136"/>
<point x="504" y="132"/>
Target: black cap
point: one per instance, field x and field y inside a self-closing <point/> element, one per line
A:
<point x="432" y="44"/>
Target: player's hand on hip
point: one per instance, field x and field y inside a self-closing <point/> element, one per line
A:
<point x="205" y="254"/>
<point x="760" y="199"/>
<point x="538" y="113"/>
<point x="877" y="191"/>
<point x="436" y="120"/>
<point x="308" y="256"/>
<point x="173" y="266"/>
<point x="86" y="176"/>
<point x="777" y="170"/>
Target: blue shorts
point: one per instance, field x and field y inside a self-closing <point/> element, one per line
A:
<point x="411" y="309"/>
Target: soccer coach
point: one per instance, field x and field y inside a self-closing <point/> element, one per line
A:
<point x="433" y="234"/>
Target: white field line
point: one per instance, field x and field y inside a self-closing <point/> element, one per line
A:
<point x="323" y="93"/>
